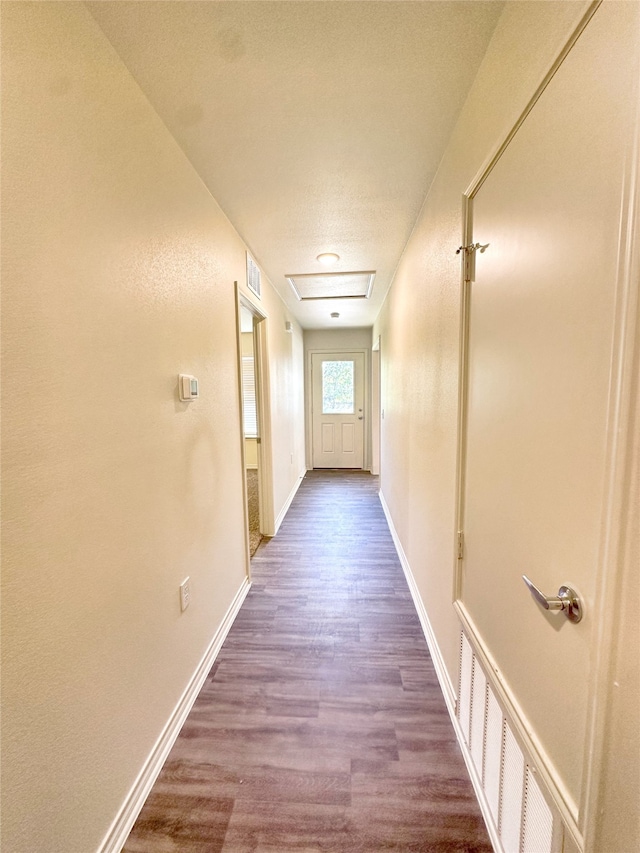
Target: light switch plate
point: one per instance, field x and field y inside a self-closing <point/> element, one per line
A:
<point x="187" y="387"/>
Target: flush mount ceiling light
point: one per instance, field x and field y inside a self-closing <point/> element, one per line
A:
<point x="332" y="285"/>
<point x="328" y="259"/>
<point x="335" y="315"/>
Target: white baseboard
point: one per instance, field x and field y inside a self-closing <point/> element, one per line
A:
<point x="117" y="835"/>
<point x="289" y="501"/>
<point x="444" y="680"/>
<point x="432" y="643"/>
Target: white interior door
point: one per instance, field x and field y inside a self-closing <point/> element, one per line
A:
<point x="338" y="409"/>
<point x="542" y="373"/>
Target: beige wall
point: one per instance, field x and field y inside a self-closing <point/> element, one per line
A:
<point x="250" y="453"/>
<point x="246" y="343"/>
<point x="118" y="273"/>
<point x="286" y="400"/>
<point x="338" y="339"/>
<point x="419" y="329"/>
<point x="419" y="323"/>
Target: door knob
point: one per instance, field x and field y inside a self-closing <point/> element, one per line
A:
<point x="567" y="600"/>
<point x="360" y="417"/>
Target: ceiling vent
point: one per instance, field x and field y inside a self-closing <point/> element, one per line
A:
<point x="332" y="285"/>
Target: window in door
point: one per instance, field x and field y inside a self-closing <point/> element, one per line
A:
<point x="338" y="388"/>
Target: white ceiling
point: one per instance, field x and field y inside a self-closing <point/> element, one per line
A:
<point x="317" y="126"/>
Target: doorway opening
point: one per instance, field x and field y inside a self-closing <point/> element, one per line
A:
<point x="255" y="420"/>
<point x="338" y="409"/>
<point x="250" y="432"/>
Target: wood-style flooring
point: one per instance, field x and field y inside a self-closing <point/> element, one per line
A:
<point x="321" y="726"/>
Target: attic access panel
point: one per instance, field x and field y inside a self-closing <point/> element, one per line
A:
<point x="332" y="285"/>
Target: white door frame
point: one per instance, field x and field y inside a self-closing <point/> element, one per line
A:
<point x="619" y="452"/>
<point x="309" y="402"/>
<point x="263" y="412"/>
<point x="376" y="406"/>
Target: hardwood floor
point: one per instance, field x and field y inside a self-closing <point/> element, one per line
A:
<point x="321" y="726"/>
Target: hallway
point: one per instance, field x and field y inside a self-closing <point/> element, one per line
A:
<point x="321" y="726"/>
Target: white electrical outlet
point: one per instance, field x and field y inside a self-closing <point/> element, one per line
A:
<point x="185" y="594"/>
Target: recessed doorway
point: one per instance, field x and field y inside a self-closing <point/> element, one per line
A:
<point x="255" y="420"/>
<point x="250" y="427"/>
<point x="337" y="381"/>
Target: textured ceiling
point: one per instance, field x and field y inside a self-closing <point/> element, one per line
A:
<point x="317" y="126"/>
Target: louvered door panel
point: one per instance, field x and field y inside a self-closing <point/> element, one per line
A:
<point x="464" y="693"/>
<point x="519" y="811"/>
<point x="538" y="821"/>
<point x="478" y="715"/>
<point x="511" y="793"/>
<point x="493" y="754"/>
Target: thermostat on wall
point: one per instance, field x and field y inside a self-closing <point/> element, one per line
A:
<point x="187" y="387"/>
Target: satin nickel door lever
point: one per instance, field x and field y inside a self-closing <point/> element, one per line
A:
<point x="567" y="600"/>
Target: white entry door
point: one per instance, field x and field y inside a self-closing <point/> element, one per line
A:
<point x="338" y="409"/>
<point x="544" y="368"/>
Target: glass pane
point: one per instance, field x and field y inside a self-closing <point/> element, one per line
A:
<point x="337" y="388"/>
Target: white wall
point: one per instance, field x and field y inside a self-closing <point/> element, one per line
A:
<point x="118" y="273"/>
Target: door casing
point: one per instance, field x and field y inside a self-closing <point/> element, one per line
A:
<point x="309" y="400"/>
<point x="263" y="411"/>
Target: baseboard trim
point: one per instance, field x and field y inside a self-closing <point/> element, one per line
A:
<point x="444" y="681"/>
<point x="117" y="834"/>
<point x="432" y="643"/>
<point x="289" y="501"/>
